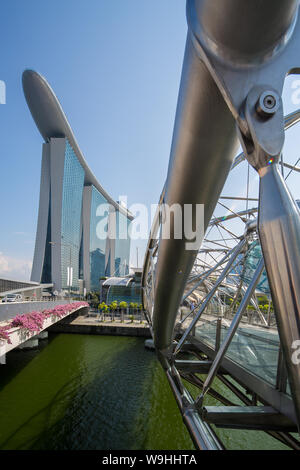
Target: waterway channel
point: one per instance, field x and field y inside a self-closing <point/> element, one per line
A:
<point x="96" y="392"/>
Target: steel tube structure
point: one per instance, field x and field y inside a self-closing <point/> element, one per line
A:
<point x="211" y="293"/>
<point x="279" y="230"/>
<point x="205" y="276"/>
<point x="248" y="31"/>
<point x="203" y="148"/>
<point x="203" y="437"/>
<point x="233" y="327"/>
<point x="236" y="59"/>
<point x="204" y="138"/>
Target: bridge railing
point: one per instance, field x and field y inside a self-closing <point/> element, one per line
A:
<point x="9" y="310"/>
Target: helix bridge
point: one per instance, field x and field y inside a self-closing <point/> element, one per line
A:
<point x="227" y="310"/>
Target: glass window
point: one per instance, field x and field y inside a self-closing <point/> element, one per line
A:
<point x="122" y="245"/>
<point x="98" y="236"/>
<point x="71" y="216"/>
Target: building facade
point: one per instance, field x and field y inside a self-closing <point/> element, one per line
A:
<point x="82" y="233"/>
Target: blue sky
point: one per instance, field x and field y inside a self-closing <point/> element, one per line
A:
<point x="115" y="67"/>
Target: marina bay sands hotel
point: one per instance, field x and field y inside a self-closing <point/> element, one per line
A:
<point x="73" y="206"/>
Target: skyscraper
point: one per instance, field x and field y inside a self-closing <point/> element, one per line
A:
<point x="82" y="233"/>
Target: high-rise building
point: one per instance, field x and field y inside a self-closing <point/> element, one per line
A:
<point x="82" y="233"/>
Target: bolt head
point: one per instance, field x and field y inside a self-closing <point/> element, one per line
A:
<point x="270" y="101"/>
<point x="267" y="104"/>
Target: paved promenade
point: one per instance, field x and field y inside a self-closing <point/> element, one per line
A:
<point x="93" y="326"/>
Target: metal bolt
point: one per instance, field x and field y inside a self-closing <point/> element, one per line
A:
<point x="267" y="104"/>
<point x="270" y="101"/>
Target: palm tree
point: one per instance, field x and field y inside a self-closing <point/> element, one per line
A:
<point x="113" y="307"/>
<point x="123" y="306"/>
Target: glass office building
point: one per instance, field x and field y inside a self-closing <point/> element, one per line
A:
<point x="122" y="245"/>
<point x="98" y="237"/>
<point x="72" y="192"/>
<point x="82" y="233"/>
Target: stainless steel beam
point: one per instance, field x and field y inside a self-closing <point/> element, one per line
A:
<point x="265" y="391"/>
<point x="233" y="327"/>
<point x="245" y="32"/>
<point x="205" y="275"/>
<point x="202" y="435"/>
<point x="203" y="304"/>
<point x="248" y="417"/>
<point x="197" y="367"/>
<point x="279" y="231"/>
<point x="203" y="147"/>
<point x="230" y="47"/>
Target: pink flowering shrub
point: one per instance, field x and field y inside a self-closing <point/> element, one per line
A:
<point x="33" y="322"/>
<point x="4" y="333"/>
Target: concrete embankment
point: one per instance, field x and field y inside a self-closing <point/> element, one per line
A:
<point x="92" y="326"/>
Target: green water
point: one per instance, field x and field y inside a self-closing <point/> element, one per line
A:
<point x="96" y="392"/>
